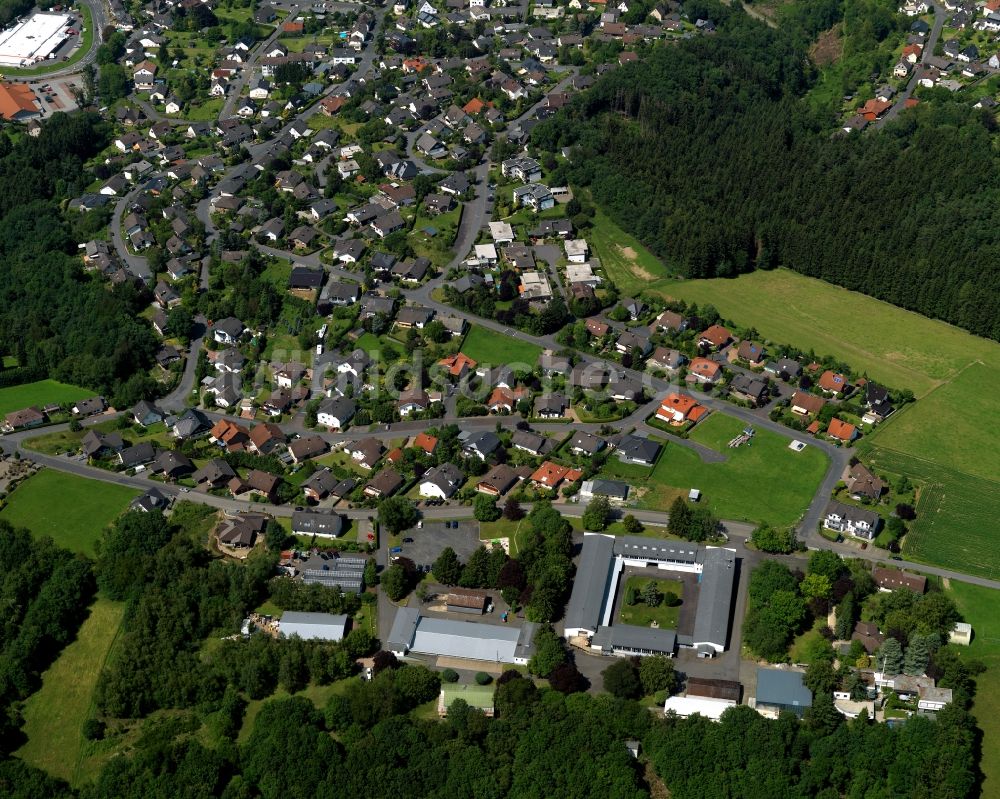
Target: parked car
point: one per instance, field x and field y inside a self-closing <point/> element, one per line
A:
<point x="407" y="540"/>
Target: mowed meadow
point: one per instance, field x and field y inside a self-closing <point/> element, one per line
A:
<point x="947" y="441"/>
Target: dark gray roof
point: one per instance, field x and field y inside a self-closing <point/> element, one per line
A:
<point x="711" y="621"/>
<point x="317" y="523"/>
<point x="591" y="582"/>
<point x="404" y="626"/>
<point x="635" y="639"/>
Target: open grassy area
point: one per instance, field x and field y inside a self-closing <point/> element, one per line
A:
<point x="490" y="347"/>
<point x="41" y="392"/>
<point x="72" y="510"/>
<point x="979" y="607"/>
<point x="956" y="514"/>
<point x="54" y="715"/>
<point x="763" y="482"/>
<point x="628" y="264"/>
<point x="641" y="614"/>
<point x="900" y="348"/>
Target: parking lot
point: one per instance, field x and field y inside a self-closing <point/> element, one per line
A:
<point x="433" y="537"/>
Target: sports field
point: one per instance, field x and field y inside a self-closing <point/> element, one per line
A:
<point x="54" y="715"/>
<point x="40" y="393"/>
<point x="489" y="347"/>
<point x="71" y="510"/>
<point x="765" y="481"/>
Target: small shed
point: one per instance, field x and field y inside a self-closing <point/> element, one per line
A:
<point x="467" y="600"/>
<point x="694" y="494"/>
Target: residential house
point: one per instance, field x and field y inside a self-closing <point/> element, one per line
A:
<point x="677" y="409"/>
<point x="751" y="353"/>
<point x="442" y="481"/>
<point x="636" y="449"/>
<point x="805" y="404"/>
<point x="498" y="480"/>
<point x="551" y="475"/>
<point x="366" y="452"/>
<point x="481" y="444"/>
<point x="386" y="483"/>
<point x="849" y="519"/>
<point x="704" y="371"/>
<point x="845" y="432"/>
<point x="750" y="389"/>
<point x="714" y="338"/>
<point x="893" y="579"/>
<point x="301" y="449"/>
<point x="831" y="382"/>
<point x="337" y="413"/>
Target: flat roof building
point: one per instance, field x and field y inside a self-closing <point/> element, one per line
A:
<point x="33" y="40"/>
<point x="412" y="633"/>
<point x="313" y="626"/>
<point x="708" y="707"/>
<point x="345" y="571"/>
<point x="781" y="690"/>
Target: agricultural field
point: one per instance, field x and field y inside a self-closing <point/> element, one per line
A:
<point x="489" y="347"/>
<point x="765" y="481"/>
<point x="54" y="715"/>
<point x="979" y="607"/>
<point x="72" y="510"/>
<point x="956" y="514"/>
<point x="40" y="393"/>
<point x="628" y="264"/>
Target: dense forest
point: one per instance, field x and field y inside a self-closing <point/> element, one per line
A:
<point x="57" y="320"/>
<point x="708" y="153"/>
<point x="542" y="744"/>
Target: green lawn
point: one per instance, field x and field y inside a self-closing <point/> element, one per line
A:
<point x="763" y="482"/>
<point x="489" y="347"/>
<point x="72" y="510"/>
<point x="54" y="715"/>
<point x="979" y="607"/>
<point x="42" y="392"/>
<point x="207" y="111"/>
<point x="628" y="264"/>
<point x="641" y="614"/>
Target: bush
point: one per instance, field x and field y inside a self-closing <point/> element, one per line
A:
<point x="94" y="729"/>
<point x="449" y="675"/>
<point x="483" y="678"/>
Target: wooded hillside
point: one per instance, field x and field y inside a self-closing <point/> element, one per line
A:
<point x="706" y="152"/>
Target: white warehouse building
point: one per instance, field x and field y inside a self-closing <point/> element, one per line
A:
<point x="32" y="40"/>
